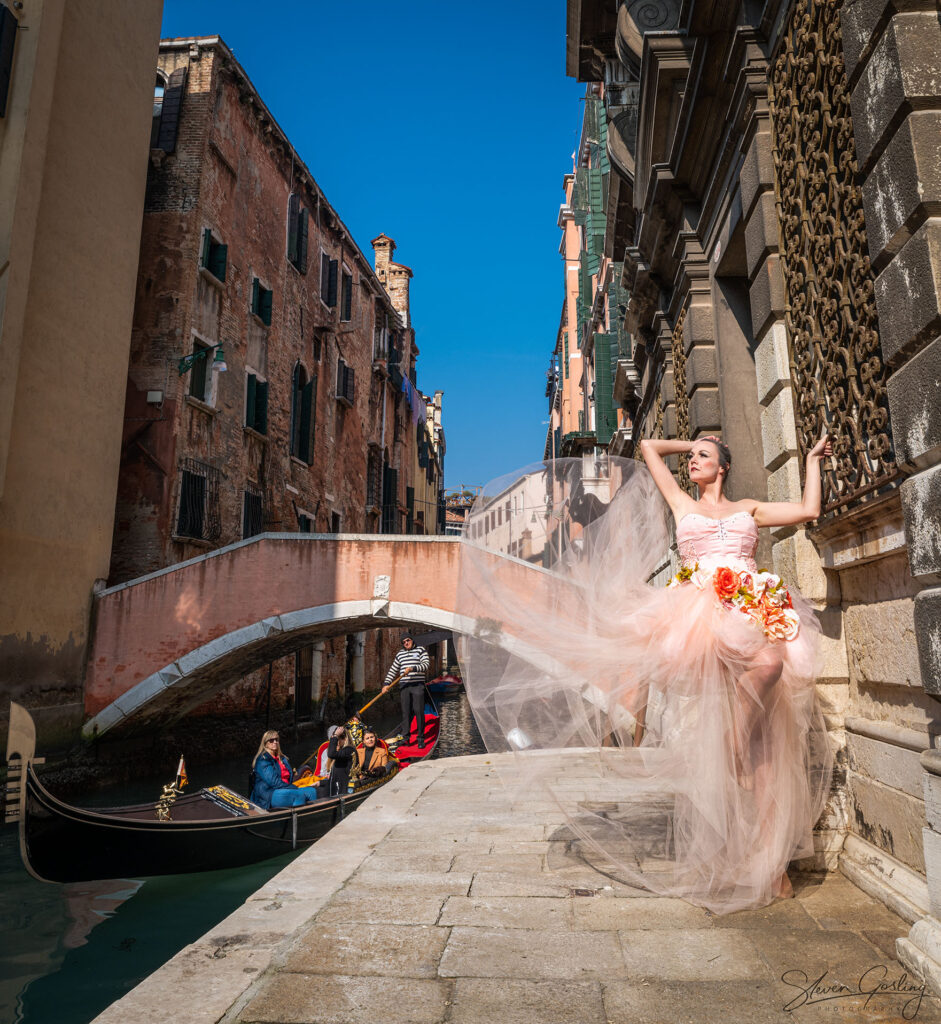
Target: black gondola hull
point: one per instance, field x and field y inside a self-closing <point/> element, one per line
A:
<point x="71" y="844"/>
<point x="63" y="843"/>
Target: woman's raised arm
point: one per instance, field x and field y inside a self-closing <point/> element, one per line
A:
<point x="789" y="513"/>
<point x="653" y="452"/>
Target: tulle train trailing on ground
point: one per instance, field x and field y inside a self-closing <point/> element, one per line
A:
<point x="582" y="624"/>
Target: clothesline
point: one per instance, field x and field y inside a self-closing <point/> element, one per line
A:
<point x="415" y="400"/>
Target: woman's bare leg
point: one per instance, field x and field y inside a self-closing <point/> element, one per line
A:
<point x="752" y="700"/>
<point x="755" y="697"/>
<point x="640" y="717"/>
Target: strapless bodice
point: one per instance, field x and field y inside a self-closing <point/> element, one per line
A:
<point x="734" y="536"/>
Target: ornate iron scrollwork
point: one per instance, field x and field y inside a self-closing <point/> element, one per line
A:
<point x="837" y="367"/>
<point x="681" y="398"/>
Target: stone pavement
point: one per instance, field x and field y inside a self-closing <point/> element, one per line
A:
<point x="437" y="901"/>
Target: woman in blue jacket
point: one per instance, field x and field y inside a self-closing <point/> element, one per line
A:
<point x="272" y="787"/>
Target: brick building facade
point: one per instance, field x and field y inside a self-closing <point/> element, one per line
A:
<point x="267" y="357"/>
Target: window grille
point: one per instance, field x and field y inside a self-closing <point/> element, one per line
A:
<point x="253" y="520"/>
<point x="373" y="479"/>
<point x="198" y="515"/>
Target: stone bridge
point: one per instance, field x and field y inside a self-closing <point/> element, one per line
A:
<point x="166" y="642"/>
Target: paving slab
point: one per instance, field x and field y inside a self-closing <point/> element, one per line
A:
<point x="406" y="951"/>
<point x="479" y="1001"/>
<point x="338" y="999"/>
<point x="437" y="903"/>
<point x="518" y="953"/>
<point x="542" y="913"/>
<point x="685" y="954"/>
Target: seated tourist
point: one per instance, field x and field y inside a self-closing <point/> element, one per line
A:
<point x="372" y="759"/>
<point x="272" y="773"/>
<point x="339" y="761"/>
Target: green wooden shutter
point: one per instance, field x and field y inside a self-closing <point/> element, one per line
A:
<point x="305" y="452"/>
<point x="256" y="292"/>
<point x="218" y="258"/>
<point x="265" y="306"/>
<point x="410" y="505"/>
<point x="207" y="245"/>
<point x="302" y="241"/>
<point x="605" y="418"/>
<point x="250" y="400"/>
<point x="293" y="204"/>
<point x="332" y="285"/>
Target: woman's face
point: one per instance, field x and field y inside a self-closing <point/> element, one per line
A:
<point x="273" y="746"/>
<point x="369" y="739"/>
<point x="704" y="462"/>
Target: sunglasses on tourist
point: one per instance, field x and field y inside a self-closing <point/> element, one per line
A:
<point x="274" y="739"/>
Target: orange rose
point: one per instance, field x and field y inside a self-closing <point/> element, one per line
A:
<point x="726" y="583"/>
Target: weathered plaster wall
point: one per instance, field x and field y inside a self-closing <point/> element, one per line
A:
<point x="73" y="178"/>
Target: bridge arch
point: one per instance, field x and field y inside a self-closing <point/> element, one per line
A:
<point x="261" y="600"/>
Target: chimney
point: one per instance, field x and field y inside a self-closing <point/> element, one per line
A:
<point x="383" y="248"/>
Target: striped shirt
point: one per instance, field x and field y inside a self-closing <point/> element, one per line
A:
<point x="416" y="659"/>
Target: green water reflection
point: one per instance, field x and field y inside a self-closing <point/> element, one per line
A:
<point x="69" y="951"/>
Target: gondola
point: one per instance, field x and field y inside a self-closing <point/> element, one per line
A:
<point x="210" y="829"/>
<point x="447" y="684"/>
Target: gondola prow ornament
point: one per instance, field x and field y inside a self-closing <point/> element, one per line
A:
<point x="171" y="791"/>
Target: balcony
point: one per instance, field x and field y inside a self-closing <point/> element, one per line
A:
<point x="577" y="441"/>
<point x="626" y="379"/>
<point x="621" y="443"/>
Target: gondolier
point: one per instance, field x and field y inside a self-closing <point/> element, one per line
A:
<point x="410" y="664"/>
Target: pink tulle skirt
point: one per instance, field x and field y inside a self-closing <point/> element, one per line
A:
<point x="579" y="638"/>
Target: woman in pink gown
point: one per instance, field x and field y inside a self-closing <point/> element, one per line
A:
<point x="688" y="686"/>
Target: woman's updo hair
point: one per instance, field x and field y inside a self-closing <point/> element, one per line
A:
<point x="725" y="453"/>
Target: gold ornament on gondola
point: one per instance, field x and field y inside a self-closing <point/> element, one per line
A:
<point x="167" y="798"/>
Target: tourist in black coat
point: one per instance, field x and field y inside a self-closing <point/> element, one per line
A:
<point x="340" y="753"/>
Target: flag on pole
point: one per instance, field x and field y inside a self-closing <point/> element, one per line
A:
<point x="181" y="779"/>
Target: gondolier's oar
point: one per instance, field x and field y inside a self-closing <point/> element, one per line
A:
<point x="373" y="701"/>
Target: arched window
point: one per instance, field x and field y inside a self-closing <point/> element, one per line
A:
<point x="159" y="90"/>
<point x="303" y="395"/>
<point x="168" y="104"/>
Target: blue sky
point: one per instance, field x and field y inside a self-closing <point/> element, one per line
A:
<point x="449" y="127"/>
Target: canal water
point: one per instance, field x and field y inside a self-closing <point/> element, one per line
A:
<point x="69" y="951"/>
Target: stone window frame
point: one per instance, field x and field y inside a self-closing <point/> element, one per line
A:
<point x="304" y="514"/>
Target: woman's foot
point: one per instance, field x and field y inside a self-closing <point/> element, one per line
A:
<point x="782" y="888"/>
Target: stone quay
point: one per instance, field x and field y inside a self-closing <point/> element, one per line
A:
<point x="449" y="898"/>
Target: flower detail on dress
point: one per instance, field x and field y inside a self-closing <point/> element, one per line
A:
<point x="757" y="594"/>
<point x="726" y="583"/>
